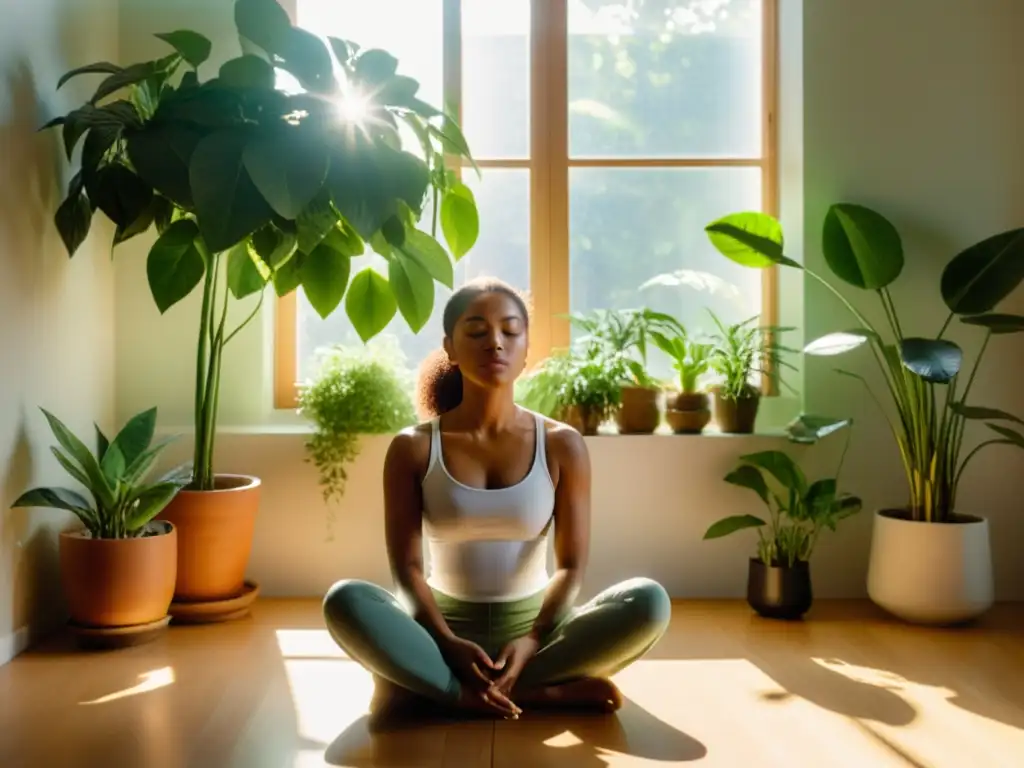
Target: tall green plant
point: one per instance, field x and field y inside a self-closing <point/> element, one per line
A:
<point x="922" y="374"/>
<point x="249" y="186"/>
<point x="114" y="475"/>
<point x="740" y="350"/>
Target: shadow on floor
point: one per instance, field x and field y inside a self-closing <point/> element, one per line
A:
<point x="580" y="740"/>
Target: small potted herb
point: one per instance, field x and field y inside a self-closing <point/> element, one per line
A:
<point x="688" y="411"/>
<point x="779" y="577"/>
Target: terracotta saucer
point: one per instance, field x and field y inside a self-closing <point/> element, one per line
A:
<point x="105" y="638"/>
<point x="213" y="611"/>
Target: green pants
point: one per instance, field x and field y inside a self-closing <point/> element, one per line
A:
<point x="596" y="639"/>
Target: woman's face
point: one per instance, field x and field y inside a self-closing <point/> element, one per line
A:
<point x="490" y="341"/>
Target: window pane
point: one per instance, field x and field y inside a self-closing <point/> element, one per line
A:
<point x="496" y="77"/>
<point x="665" y="78"/>
<point x="637" y="239"/>
<point x="502" y="251"/>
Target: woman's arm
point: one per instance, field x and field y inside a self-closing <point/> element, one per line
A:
<point x="572" y="526"/>
<point x="403" y="520"/>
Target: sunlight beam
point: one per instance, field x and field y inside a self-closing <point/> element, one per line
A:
<point x="150" y="681"/>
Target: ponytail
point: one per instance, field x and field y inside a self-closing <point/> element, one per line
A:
<point x="440" y="386"/>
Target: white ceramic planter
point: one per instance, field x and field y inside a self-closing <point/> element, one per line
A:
<point x="931" y="573"/>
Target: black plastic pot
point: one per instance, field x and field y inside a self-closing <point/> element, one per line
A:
<point x="778" y="591"/>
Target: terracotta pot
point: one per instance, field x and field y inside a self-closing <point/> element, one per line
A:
<point x="119" y="582"/>
<point x="688" y="413"/>
<point x="639" y="413"/>
<point x="215" y="532"/>
<point x="583" y="419"/>
<point x="737" y="416"/>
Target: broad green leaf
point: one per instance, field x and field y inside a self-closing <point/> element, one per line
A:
<point x="102" y="443"/>
<point x="99" y="68"/>
<point x="374" y="67"/>
<point x="980" y="412"/>
<point x="324" y="277"/>
<point x="460" y="220"/>
<point x="53" y="498"/>
<point x="370" y="304"/>
<point x="861" y="246"/>
<point x="247" y="72"/>
<point x="131" y="75"/>
<point x="228" y="206"/>
<point x="413" y="288"/>
<point x="175" y="265"/>
<point x="935" y="360"/>
<point x="264" y="22"/>
<point x="306" y="56"/>
<point x="393" y="232"/>
<point x="163" y="212"/>
<point x="846" y="505"/>
<point x="288" y="276"/>
<point x="120" y="194"/>
<point x="806" y="428"/>
<point x="150" y="503"/>
<point x="73" y="218"/>
<point x="315" y="221"/>
<point x="981" y="276"/>
<point x="343" y="49"/>
<point x="70" y="467"/>
<point x="835" y="344"/>
<point x="358" y="188"/>
<point x="733" y="524"/>
<point x="288" y="167"/>
<point x="819" y="497"/>
<point x="244" y="278"/>
<point x="113" y="465"/>
<point x="144" y="462"/>
<point x="98" y="142"/>
<point x="1011" y="435"/>
<point x="161" y="155"/>
<point x="781" y="467"/>
<point x="997" y="323"/>
<point x="142" y="222"/>
<point x="428" y="253"/>
<point x="451" y="138"/>
<point x="746" y="476"/>
<point x="193" y="47"/>
<point x="85" y="459"/>
<point x="273" y="245"/>
<point x="750" y="238"/>
<point x="135" y="436"/>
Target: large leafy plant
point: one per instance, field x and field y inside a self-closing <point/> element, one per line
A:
<point x="114" y="475"/>
<point x="923" y="374"/>
<point x="798" y="510"/>
<point x="249" y="185"/>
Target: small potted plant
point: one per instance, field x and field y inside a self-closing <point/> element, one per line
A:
<point x="355" y="391"/>
<point x="779" y="577"/>
<point x="687" y="411"/>
<point x="118" y="571"/>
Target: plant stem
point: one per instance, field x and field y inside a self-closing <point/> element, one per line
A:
<point x="255" y="311"/>
<point x="963" y="466"/>
<point x="202" y="351"/>
<point x="945" y="325"/>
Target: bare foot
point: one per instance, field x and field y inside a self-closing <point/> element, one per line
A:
<point x="390" y="701"/>
<point x="586" y="693"/>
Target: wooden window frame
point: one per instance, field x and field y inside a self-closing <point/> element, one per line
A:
<point x="549" y="163"/>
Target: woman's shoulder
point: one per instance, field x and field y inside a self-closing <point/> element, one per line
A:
<point x="411" y="446"/>
<point x="562" y="440"/>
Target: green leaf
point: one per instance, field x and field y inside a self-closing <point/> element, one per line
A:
<point x="102" y="443"/>
<point x="264" y="22"/>
<point x="163" y="212"/>
<point x="997" y="323"/>
<point x="835" y="344"/>
<point x="193" y="47"/>
<point x="244" y="278"/>
<point x="819" y="497"/>
<point x="750" y="238"/>
<point x="810" y="429"/>
<point x="288" y="167"/>
<point x="161" y="154"/>
<point x="980" y="412"/>
<point x="247" y="72"/>
<point x="935" y="360"/>
<point x="150" y="503"/>
<point x="861" y="246"/>
<point x="316" y="220"/>
<point x="374" y="67"/>
<point x="229" y="208"/>
<point x="428" y="253"/>
<point x="135" y="436"/>
<point x="73" y="218"/>
<point x="132" y="75"/>
<point x="157" y="207"/>
<point x="306" y="56"/>
<point x="98" y="142"/>
<point x="78" y="452"/>
<point x="117" y="115"/>
<point x="70" y="467"/>
<point x="324" y="277"/>
<point x="370" y="304"/>
<point x="53" y="498"/>
<point x="460" y="220"/>
<point x="100" y="67"/>
<point x="413" y="288"/>
<point x="746" y="476"/>
<point x="781" y="467"/>
<point x="343" y="49"/>
<point x="273" y="246"/>
<point x="1012" y="435"/>
<point x="451" y="138"/>
<point x="175" y="265"/>
<point x="846" y="505"/>
<point x="113" y="465"/>
<point x="288" y="276"/>
<point x="981" y="276"/>
<point x="120" y="194"/>
<point x="733" y="524"/>
<point x="143" y="463"/>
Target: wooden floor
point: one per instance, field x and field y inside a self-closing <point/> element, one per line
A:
<point x="845" y="689"/>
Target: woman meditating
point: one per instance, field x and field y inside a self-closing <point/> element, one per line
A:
<point x="487" y="628"/>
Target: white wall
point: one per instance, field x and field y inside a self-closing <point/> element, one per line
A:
<point x="911" y="106"/>
<point x="56" y="315"/>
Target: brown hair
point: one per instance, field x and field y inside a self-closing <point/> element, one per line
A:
<point x="440" y="383"/>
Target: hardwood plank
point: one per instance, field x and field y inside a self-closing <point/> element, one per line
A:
<point x="846" y="688"/>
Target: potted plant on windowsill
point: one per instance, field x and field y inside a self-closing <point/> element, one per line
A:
<point x="779" y="582"/>
<point x="251" y="187"/>
<point x="688" y="411"/>
<point x="118" y="570"/>
<point x="930" y="534"/>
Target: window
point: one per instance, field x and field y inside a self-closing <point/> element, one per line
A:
<point x="608" y="132"/>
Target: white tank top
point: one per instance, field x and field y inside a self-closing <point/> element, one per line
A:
<point x="487" y="545"/>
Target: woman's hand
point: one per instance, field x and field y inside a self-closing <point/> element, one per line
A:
<point x="474" y="668"/>
<point x="513" y="659"/>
